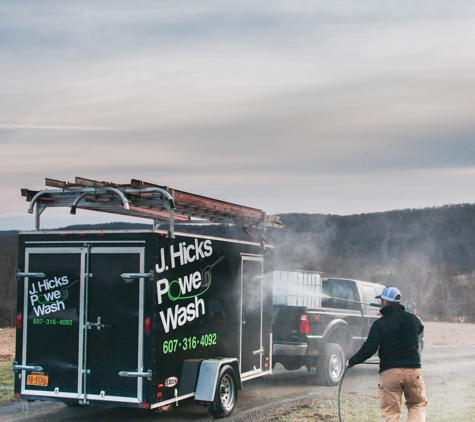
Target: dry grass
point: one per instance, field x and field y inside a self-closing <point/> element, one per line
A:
<point x="6" y="381"/>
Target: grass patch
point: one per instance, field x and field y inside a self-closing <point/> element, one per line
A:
<point x="356" y="406"/>
<point x="6" y="381"/>
<point x="449" y="399"/>
<point x="322" y="410"/>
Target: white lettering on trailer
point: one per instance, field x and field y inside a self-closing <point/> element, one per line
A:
<point x="179" y="315"/>
<point x="48" y="296"/>
<point x="45" y="285"/>
<point x="186" y="284"/>
<point x="187" y="287"/>
<point x="161" y="291"/>
<point x="49" y="308"/>
<point x="185" y="253"/>
<point x="160" y="268"/>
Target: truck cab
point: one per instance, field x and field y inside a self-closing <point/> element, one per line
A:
<point x="321" y="321"/>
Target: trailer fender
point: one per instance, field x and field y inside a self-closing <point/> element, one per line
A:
<point x="208" y="377"/>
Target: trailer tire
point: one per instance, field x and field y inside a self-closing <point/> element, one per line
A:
<point x="331" y="365"/>
<point x="225" y="395"/>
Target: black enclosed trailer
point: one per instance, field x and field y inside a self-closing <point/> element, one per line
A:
<point x="141" y="318"/>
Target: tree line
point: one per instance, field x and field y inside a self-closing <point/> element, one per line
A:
<point x="428" y="253"/>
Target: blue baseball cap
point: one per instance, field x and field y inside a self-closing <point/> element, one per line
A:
<point x="391" y="294"/>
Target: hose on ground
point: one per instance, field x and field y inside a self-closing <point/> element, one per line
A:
<point x="339" y="392"/>
<point x="341" y="383"/>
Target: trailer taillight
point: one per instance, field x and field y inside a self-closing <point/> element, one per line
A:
<point x="304" y="326"/>
<point x="160" y="393"/>
<point x="148" y="325"/>
<point x="19" y="320"/>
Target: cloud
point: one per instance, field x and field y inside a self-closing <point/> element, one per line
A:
<point x="308" y="100"/>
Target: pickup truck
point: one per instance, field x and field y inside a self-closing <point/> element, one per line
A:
<point x="320" y="322"/>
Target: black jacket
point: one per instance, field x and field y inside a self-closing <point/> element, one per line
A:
<point x="396" y="334"/>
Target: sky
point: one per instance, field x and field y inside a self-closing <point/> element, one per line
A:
<point x="337" y="107"/>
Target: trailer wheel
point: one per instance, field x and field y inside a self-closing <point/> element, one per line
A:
<point x="331" y="366"/>
<point x="226" y="393"/>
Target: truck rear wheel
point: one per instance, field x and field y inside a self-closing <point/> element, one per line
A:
<point x="225" y="395"/>
<point x="331" y="366"/>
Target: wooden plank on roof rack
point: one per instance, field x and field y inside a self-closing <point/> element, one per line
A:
<point x="188" y="200"/>
<point x="53" y="183"/>
<point x="92" y="183"/>
<point x="209" y="206"/>
<point x="147" y="204"/>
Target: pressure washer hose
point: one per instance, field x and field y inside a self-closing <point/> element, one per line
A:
<point x="339" y="392"/>
<point x="341" y="383"/>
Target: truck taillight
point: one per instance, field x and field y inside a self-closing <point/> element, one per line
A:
<point x="304" y="326"/>
<point x="148" y="325"/>
<point x="19" y="320"/>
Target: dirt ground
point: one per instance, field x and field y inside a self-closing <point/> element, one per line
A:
<point x="437" y="334"/>
<point x="7" y="344"/>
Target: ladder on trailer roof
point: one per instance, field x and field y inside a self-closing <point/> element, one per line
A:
<point x="145" y="200"/>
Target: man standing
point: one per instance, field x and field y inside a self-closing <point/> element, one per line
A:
<point x="396" y="334"/>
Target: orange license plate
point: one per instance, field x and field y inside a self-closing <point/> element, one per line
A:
<point x="40" y="380"/>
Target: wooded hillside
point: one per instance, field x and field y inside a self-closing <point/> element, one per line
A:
<point x="428" y="253"/>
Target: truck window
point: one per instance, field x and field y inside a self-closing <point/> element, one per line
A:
<point x="334" y="289"/>
<point x="369" y="296"/>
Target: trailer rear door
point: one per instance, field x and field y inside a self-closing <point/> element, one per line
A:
<point x="84" y="323"/>
<point x="252" y="282"/>
<point x="52" y="328"/>
<point x="113" y="313"/>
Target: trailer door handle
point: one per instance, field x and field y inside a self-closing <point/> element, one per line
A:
<point x="19" y="274"/>
<point x="128" y="374"/>
<point x="129" y="277"/>
<point x="258" y="352"/>
<point x="27" y="368"/>
<point x="97" y="324"/>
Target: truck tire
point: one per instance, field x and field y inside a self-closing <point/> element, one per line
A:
<point x="225" y="395"/>
<point x="331" y="365"/>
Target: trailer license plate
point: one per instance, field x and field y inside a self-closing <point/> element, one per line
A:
<point x="40" y="380"/>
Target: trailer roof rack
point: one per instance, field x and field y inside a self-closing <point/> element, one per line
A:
<point x="145" y="200"/>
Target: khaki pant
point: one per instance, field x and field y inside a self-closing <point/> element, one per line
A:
<point x="393" y="383"/>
